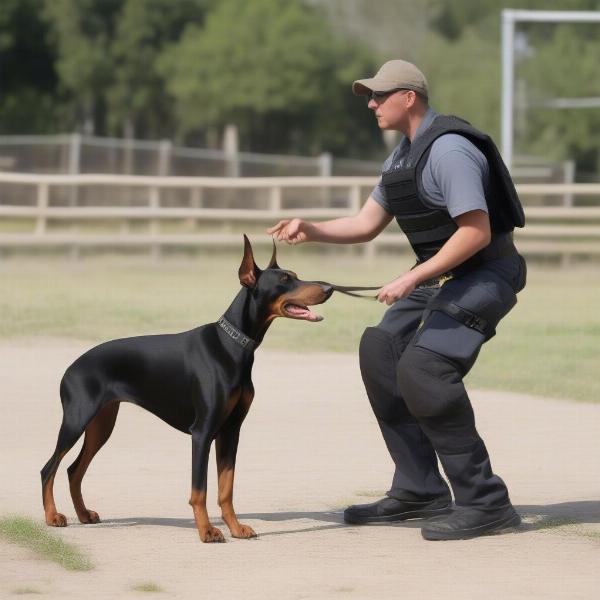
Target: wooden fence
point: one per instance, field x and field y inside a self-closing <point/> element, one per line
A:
<point x="110" y="211"/>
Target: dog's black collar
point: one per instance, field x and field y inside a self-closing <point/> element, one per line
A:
<point x="235" y="334"/>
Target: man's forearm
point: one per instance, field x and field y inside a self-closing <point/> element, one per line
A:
<point x="345" y="230"/>
<point x="461" y="246"/>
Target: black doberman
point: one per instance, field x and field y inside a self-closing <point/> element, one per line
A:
<point x="198" y="381"/>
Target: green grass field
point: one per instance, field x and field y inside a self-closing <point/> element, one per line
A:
<point x="548" y="345"/>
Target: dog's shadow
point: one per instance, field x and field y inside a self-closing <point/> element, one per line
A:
<point x="535" y="517"/>
<point x="333" y="518"/>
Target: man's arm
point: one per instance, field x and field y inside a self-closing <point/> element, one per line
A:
<point x="362" y="227"/>
<point x="472" y="235"/>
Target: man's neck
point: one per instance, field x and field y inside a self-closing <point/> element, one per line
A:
<point x="414" y="120"/>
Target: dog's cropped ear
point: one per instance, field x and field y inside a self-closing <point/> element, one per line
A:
<point x="273" y="262"/>
<point x="248" y="271"/>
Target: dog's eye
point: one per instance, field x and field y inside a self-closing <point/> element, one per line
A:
<point x="284" y="278"/>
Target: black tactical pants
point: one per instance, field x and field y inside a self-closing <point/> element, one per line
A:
<point x="413" y="364"/>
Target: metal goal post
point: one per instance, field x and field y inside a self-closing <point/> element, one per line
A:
<point x="510" y="18"/>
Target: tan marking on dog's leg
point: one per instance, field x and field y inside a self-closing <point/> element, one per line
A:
<point x="207" y="532"/>
<point x="226" y="476"/>
<point x="52" y="516"/>
<point x="96" y="434"/>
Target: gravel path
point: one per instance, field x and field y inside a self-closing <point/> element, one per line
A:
<point x="310" y="446"/>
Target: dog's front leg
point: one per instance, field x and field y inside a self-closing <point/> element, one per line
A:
<point x="200" y="450"/>
<point x="226" y="445"/>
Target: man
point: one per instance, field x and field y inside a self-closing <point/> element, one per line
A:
<point x="451" y="194"/>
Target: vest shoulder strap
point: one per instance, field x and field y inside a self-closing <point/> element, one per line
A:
<point x="501" y="182"/>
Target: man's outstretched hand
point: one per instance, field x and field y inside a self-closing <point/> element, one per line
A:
<point x="292" y="231"/>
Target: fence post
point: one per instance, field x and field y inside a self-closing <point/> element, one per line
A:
<point x="275" y="198"/>
<point x="74" y="165"/>
<point x="231" y="150"/>
<point x="154" y="205"/>
<point x="42" y="205"/>
<point x="325" y="164"/>
<point x="196" y="201"/>
<point x="355" y="199"/>
<point x="164" y="157"/>
<point x="569" y="177"/>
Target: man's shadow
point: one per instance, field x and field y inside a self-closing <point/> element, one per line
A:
<point x="535" y="516"/>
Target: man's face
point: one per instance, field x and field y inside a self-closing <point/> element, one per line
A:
<point x="391" y="110"/>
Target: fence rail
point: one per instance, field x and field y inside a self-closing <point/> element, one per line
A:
<point x="212" y="211"/>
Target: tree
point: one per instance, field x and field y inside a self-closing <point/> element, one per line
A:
<point x="466" y="82"/>
<point x="563" y="63"/>
<point x="28" y="80"/>
<point x="137" y="95"/>
<point x="272" y="67"/>
<point x="107" y="50"/>
<point x="83" y="31"/>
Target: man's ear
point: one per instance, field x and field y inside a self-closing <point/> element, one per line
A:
<point x="248" y="271"/>
<point x="273" y="262"/>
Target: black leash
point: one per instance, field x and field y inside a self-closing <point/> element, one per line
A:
<point x="349" y="291"/>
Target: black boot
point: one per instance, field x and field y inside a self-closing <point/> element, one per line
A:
<point x="392" y="509"/>
<point x="464" y="523"/>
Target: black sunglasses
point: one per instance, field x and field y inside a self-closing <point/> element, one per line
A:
<point x="380" y="96"/>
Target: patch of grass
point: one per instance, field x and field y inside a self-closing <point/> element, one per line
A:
<point x="147" y="587"/>
<point x="592" y="534"/>
<point x="24" y="590"/>
<point x="29" y="534"/>
<point x="565" y="525"/>
<point x="552" y="523"/>
<point x="547" y="345"/>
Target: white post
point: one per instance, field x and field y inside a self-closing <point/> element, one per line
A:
<point x="196" y="197"/>
<point x="569" y="177"/>
<point x="275" y="198"/>
<point x="196" y="201"/>
<point x="154" y="204"/>
<point x="325" y="170"/>
<point x="74" y="165"/>
<point x="42" y="205"/>
<point x="231" y="149"/>
<point x="164" y="157"/>
<point x="325" y="164"/>
<point x="508" y="35"/>
<point x="355" y="199"/>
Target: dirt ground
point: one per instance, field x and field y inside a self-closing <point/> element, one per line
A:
<point x="310" y="446"/>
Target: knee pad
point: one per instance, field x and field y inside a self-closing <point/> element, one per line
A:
<point x="378" y="355"/>
<point x="430" y="384"/>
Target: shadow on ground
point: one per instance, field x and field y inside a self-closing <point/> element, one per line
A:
<point x="535" y="517"/>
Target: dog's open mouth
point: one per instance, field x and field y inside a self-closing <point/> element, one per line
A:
<point x="299" y="311"/>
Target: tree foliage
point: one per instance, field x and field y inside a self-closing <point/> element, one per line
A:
<point x="272" y="68"/>
<point x="563" y="65"/>
<point x="107" y="51"/>
<point x="281" y="69"/>
<point x="27" y="75"/>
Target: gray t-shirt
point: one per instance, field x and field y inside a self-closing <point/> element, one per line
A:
<point x="454" y="177"/>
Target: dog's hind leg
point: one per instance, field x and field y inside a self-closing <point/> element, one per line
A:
<point x="77" y="413"/>
<point x="67" y="438"/>
<point x="96" y="434"/>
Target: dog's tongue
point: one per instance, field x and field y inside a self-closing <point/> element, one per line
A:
<point x="303" y="313"/>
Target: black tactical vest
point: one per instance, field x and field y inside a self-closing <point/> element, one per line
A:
<point x="428" y="229"/>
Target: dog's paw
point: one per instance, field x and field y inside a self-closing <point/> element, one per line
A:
<point x="56" y="520"/>
<point x="212" y="535"/>
<point x="89" y="517"/>
<point x="244" y="532"/>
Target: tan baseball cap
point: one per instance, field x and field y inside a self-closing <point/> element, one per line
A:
<point x="393" y="75"/>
